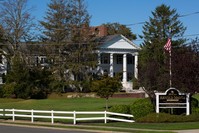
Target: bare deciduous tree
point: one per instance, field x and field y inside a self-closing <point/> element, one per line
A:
<point x="16" y="20"/>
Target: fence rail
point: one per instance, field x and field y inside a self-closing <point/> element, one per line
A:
<point x="32" y="114"/>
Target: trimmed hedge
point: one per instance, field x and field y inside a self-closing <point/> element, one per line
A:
<point x="143" y="111"/>
<point x="141" y="108"/>
<point x="125" y="109"/>
<point x="167" y="118"/>
<point x="194" y="105"/>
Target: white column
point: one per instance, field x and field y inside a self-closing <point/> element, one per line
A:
<point x="99" y="60"/>
<point x="136" y="66"/>
<point x="111" y="65"/>
<point x="124" y="68"/>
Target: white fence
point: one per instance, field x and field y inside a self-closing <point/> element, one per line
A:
<point x="70" y="115"/>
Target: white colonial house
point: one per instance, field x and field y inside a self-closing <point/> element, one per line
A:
<point x="118" y="55"/>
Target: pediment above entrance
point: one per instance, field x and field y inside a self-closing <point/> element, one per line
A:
<point x="118" y="42"/>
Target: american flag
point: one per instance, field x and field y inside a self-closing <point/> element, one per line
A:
<point x="167" y="46"/>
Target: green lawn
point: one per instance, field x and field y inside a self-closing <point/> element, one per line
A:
<point x="63" y="104"/>
<point x="156" y="126"/>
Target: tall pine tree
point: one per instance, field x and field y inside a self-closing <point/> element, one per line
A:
<point x="56" y="35"/>
<point x="81" y="49"/>
<point x="67" y="28"/>
<point x="153" y="61"/>
<point x="56" y="21"/>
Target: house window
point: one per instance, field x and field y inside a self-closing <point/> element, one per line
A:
<point x="43" y="60"/>
<point x="105" y="59"/>
<point x="130" y="59"/>
<point x="119" y="59"/>
<point x="36" y="60"/>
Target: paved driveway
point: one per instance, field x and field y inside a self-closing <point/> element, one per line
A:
<point x="26" y="129"/>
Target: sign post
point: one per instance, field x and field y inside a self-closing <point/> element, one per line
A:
<point x="172" y="98"/>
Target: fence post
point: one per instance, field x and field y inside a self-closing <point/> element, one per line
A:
<point x="32" y="116"/>
<point x="105" y="117"/>
<point x="74" y="119"/>
<point x="13" y="114"/>
<point x="4" y="114"/>
<point x="52" y="116"/>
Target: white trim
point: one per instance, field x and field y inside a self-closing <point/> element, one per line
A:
<point x="126" y="39"/>
<point x="112" y="41"/>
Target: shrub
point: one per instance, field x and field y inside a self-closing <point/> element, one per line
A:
<point x="195" y="110"/>
<point x="8" y="90"/>
<point x="141" y="107"/>
<point x="158" y="118"/>
<point x="125" y="109"/>
<point x="86" y="86"/>
<point x="38" y="93"/>
<point x="1" y="91"/>
<point x="194" y="102"/>
<point x="164" y="118"/>
<point x="194" y="105"/>
<point x="22" y="90"/>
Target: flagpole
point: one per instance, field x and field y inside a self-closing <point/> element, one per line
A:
<point x="168" y="48"/>
<point x="170" y="65"/>
<point x="170" y="72"/>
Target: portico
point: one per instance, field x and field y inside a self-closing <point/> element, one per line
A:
<point x="119" y="56"/>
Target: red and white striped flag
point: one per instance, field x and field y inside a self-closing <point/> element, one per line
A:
<point x="167" y="46"/>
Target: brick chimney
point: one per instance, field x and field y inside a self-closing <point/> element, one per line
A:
<point x="99" y="31"/>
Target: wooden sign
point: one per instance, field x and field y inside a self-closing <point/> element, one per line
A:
<point x="172" y="98"/>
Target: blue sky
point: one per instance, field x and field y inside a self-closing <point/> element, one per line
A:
<point x="130" y="12"/>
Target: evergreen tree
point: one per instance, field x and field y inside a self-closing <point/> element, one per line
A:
<point x="23" y="82"/>
<point x="67" y="28"/>
<point x="39" y="85"/>
<point x="56" y="21"/>
<point x="116" y="28"/>
<point x="56" y="35"/>
<point x="153" y="61"/>
<point x="17" y="79"/>
<point x="81" y="47"/>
